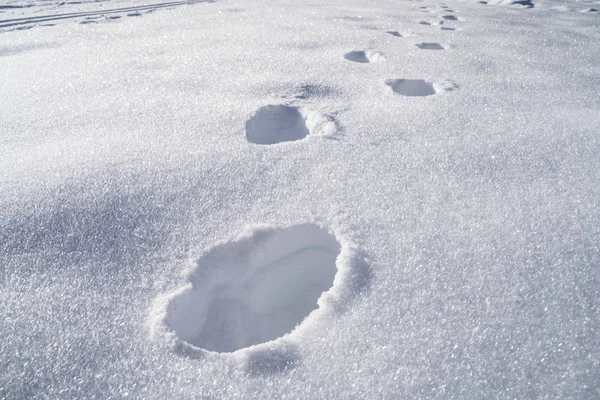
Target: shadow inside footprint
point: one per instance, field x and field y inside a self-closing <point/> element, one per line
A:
<point x="430" y="46"/>
<point x="395" y="33"/>
<point x="450" y="18"/>
<point x="411" y="87"/>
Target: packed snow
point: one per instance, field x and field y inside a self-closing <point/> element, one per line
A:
<point x="304" y="199"/>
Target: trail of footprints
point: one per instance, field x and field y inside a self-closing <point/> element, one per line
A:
<point x="420" y="87"/>
<point x="261" y="286"/>
<point x="278" y="123"/>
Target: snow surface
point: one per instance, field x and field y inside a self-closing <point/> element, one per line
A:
<point x="141" y="216"/>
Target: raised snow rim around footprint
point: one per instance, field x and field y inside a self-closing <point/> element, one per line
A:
<point x="351" y="279"/>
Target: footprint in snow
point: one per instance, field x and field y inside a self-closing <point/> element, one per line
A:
<point x="90" y="20"/>
<point x="401" y="34"/>
<point x="253" y="290"/>
<point x="516" y="3"/>
<point x="430" y="46"/>
<point x="450" y="17"/>
<point x="364" y="57"/>
<point x="419" y="87"/>
<point x="279" y="123"/>
<point x="434" y="23"/>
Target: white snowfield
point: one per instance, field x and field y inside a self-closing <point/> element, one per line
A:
<point x="370" y="199"/>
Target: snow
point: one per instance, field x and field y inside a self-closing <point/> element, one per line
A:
<point x="214" y="199"/>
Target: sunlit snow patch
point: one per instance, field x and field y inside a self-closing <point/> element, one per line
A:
<point x="273" y="124"/>
<point x="255" y="289"/>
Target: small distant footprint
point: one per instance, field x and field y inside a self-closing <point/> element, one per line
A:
<point x="419" y="87"/>
<point x="518" y="3"/>
<point x="367" y="56"/>
<point x="450" y="17"/>
<point x="134" y="14"/>
<point x="430" y="46"/>
<point x="404" y="34"/>
<point x="90" y="20"/>
<point x="447" y="28"/>
<point x="411" y="87"/>
<point x="424" y="22"/>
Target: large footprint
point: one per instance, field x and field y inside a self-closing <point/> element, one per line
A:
<point x="255" y="289"/>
